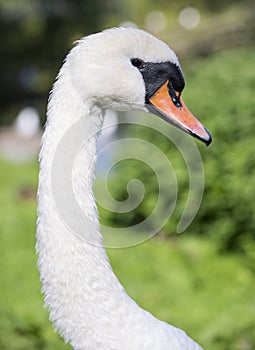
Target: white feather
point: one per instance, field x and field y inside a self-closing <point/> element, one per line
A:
<point x="87" y="303"/>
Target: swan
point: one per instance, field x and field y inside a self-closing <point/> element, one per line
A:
<point x="118" y="69"/>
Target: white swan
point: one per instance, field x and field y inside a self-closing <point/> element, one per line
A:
<point x="118" y="69"/>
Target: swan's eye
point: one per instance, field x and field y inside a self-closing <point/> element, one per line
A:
<point x="136" y="62"/>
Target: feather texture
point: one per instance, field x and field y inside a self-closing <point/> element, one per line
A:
<point x="86" y="302"/>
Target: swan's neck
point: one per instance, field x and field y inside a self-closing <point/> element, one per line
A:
<point x="86" y="301"/>
<point x="78" y="282"/>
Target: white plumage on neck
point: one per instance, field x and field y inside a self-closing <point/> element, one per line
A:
<point x="87" y="304"/>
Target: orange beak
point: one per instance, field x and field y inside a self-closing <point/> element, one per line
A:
<point x="179" y="115"/>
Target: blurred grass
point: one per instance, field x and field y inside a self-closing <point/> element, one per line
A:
<point x="23" y="320"/>
<point x="183" y="280"/>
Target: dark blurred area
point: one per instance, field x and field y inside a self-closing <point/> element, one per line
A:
<point x="36" y="36"/>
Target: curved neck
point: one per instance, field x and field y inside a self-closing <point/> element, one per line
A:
<point x="78" y="282"/>
<point x="87" y="303"/>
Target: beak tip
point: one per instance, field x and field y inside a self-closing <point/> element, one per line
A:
<point x="203" y="135"/>
<point x="209" y="140"/>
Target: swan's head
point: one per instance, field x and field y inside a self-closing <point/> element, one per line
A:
<point x="124" y="68"/>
